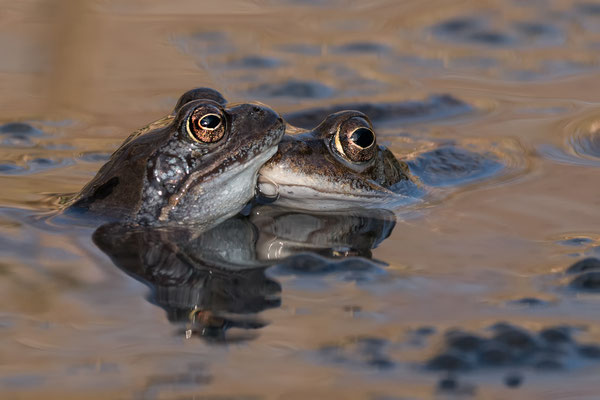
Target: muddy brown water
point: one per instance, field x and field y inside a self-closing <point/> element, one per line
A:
<point x="467" y="297"/>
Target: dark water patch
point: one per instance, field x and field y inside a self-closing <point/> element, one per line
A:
<point x="507" y="347"/>
<point x="434" y="107"/>
<point x="471" y="30"/>
<point x="558" y="334"/>
<point x="448" y="362"/>
<point x="576" y="241"/>
<point x="307" y="265"/>
<point x="365" y="352"/>
<point x="8" y="168"/>
<point x="533" y="28"/>
<point x="503" y="348"/>
<point x="30" y="166"/>
<point x="590" y="9"/>
<point x="490" y="38"/>
<point x="497" y="34"/>
<point x="450" y="166"/>
<point x="255" y="61"/>
<point x="362" y="47"/>
<point x="582" y="277"/>
<point x="539" y="32"/>
<point x="293" y="89"/>
<point x="425" y="331"/>
<point x="586" y="282"/>
<point x="458" y="26"/>
<point x="20" y="128"/>
<point x="513" y="380"/>
<point x="587" y="275"/>
<point x="585" y="265"/>
<point x="591" y="351"/>
<point x="18" y="134"/>
<point x="529" y="302"/>
<point x="452" y="386"/>
<point x="419" y="337"/>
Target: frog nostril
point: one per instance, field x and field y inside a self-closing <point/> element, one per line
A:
<point x="363" y="137"/>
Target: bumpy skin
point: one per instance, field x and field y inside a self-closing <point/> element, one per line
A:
<point x="308" y="172"/>
<point x="160" y="175"/>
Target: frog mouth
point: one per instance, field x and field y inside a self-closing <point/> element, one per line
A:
<point x="311" y="198"/>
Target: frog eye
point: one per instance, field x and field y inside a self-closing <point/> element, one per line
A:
<point x="206" y="125"/>
<point x="355" y="140"/>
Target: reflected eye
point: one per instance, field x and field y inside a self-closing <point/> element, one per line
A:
<point x="355" y="140"/>
<point x="206" y="124"/>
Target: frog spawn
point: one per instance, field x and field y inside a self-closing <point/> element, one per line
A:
<point x="586" y="275"/>
<point x="22" y="141"/>
<point x="503" y="349"/>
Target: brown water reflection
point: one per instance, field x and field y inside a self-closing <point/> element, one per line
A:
<point x="84" y="74"/>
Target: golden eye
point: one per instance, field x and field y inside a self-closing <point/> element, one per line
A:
<point x="206" y="124"/>
<point x="355" y="140"/>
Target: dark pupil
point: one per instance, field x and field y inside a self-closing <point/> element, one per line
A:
<point x="210" y="122"/>
<point x="363" y="137"/>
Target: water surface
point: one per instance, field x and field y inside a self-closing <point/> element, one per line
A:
<point x="465" y="294"/>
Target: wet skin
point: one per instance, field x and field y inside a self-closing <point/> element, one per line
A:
<point x="197" y="165"/>
<point x="338" y="165"/>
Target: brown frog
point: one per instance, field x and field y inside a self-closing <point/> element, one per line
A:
<point x="197" y="165"/>
<point x="337" y="165"/>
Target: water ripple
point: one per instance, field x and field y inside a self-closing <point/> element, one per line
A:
<point x="581" y="146"/>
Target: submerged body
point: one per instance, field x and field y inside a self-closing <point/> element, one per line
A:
<point x="197" y="165"/>
<point x="338" y="165"/>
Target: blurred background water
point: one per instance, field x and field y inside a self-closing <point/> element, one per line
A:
<point x="468" y="296"/>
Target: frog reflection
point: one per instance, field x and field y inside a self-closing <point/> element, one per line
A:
<point x="212" y="281"/>
<point x="348" y="234"/>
